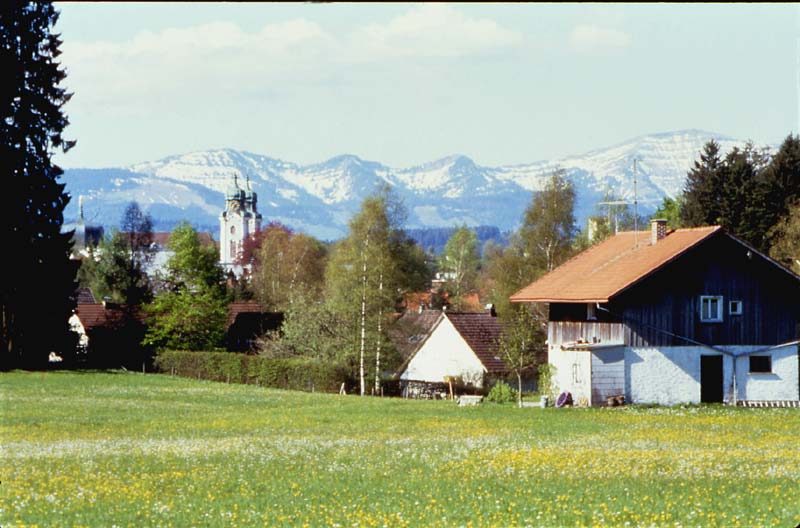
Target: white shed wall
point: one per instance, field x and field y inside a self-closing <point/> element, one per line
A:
<point x="573" y="372"/>
<point x="444" y="353"/>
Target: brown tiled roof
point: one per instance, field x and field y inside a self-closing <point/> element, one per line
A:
<point x="613" y="265"/>
<point x="411" y="329"/>
<point x="481" y="332"/>
<point x="93" y="315"/>
<point x="235" y="308"/>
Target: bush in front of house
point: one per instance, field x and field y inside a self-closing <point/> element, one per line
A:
<point x="282" y="373"/>
<point x="501" y="392"/>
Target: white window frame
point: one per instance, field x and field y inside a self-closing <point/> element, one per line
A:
<point x="712" y="318"/>
<point x="736" y="303"/>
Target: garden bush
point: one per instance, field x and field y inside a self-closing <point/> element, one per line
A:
<point x="283" y="373"/>
<point x="501" y="392"/>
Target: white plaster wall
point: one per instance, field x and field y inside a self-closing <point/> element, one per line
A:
<point x="76" y="326"/>
<point x="573" y="372"/>
<point x="666" y="375"/>
<point x="671" y="375"/>
<point x="444" y="353"/>
<point x="780" y="384"/>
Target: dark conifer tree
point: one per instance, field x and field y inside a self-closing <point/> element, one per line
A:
<point x="703" y="189"/>
<point x="782" y="180"/>
<point x="37" y="287"/>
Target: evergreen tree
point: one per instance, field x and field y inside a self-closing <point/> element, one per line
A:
<point x="37" y="291"/>
<point x="703" y="189"/>
<point x="743" y="207"/>
<point x="782" y="180"/>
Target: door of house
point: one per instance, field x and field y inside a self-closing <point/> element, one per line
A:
<point x="711" y="379"/>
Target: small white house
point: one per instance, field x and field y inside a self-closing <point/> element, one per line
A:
<point x="457" y="345"/>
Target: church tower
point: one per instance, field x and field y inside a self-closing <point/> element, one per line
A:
<point x="238" y="221"/>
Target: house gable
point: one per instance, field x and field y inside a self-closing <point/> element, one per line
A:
<point x="444" y="353"/>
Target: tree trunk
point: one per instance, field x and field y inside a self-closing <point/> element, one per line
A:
<point x="363" y="318"/>
<point x="378" y="350"/>
<point x="519" y="389"/>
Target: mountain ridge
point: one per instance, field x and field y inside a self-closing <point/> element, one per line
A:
<point x="320" y="198"/>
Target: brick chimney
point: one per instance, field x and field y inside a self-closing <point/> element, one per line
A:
<point x="658" y="230"/>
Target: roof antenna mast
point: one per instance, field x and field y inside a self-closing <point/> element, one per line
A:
<point x="635" y="208"/>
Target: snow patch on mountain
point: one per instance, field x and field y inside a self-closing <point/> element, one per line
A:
<point x="321" y="198"/>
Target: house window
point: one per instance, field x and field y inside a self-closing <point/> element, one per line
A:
<point x="735" y="307"/>
<point x="710" y="308"/>
<point x="591" y="312"/>
<point x="761" y="364"/>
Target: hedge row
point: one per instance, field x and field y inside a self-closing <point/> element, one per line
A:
<point x="290" y="373"/>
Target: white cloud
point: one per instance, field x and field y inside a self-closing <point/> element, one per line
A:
<point x="434" y="30"/>
<point x="158" y="71"/>
<point x="594" y="39"/>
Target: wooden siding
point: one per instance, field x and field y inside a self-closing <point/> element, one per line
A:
<point x="571" y="332"/>
<point x="663" y="309"/>
<point x="608" y="375"/>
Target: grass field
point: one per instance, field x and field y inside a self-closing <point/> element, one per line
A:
<point x="105" y="449"/>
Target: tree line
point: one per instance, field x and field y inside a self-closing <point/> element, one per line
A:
<point x="751" y="192"/>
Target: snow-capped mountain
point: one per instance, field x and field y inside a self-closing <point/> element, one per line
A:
<point x="321" y="198"/>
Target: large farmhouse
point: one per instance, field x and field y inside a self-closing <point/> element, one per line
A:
<point x="682" y="316"/>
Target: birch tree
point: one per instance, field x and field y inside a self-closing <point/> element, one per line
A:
<point x="366" y="275"/>
<point x="286" y="266"/>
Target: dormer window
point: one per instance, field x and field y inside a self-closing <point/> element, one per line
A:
<point x="711" y="308"/>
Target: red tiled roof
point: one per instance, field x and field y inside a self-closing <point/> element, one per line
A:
<point x="235" y="308"/>
<point x="481" y="332"/>
<point x="93" y="315"/>
<point x="611" y="266"/>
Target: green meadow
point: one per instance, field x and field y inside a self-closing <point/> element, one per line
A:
<point x="124" y="449"/>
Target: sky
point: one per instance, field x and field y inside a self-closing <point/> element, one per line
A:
<point x="406" y="84"/>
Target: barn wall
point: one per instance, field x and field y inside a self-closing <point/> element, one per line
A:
<point x="670" y="300"/>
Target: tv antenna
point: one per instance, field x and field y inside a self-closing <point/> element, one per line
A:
<point x="635" y="207"/>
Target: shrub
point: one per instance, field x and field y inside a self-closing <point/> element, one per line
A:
<point x="547" y="374"/>
<point x="502" y="392"/>
<point x="283" y="373"/>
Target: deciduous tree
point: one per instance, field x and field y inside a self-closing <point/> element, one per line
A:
<point x="522" y="338"/>
<point x="460" y="261"/>
<point x="191" y="314"/>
